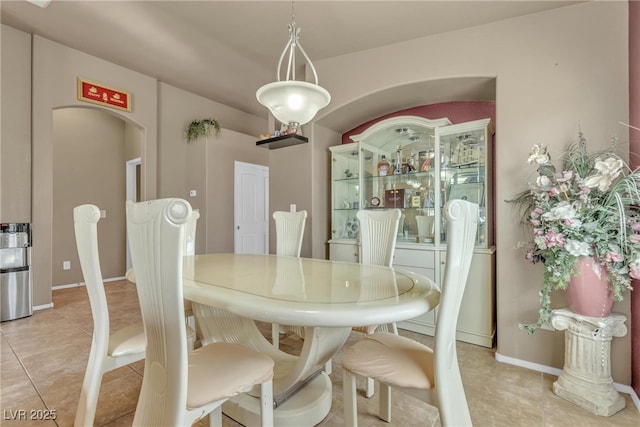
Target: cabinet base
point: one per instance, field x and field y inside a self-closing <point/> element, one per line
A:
<point x="464" y="336"/>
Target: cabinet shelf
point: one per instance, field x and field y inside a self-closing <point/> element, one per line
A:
<point x="282" y="141"/>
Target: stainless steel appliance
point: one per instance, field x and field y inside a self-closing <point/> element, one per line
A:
<point x="15" y="268"/>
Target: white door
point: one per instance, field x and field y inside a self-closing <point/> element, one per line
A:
<point x="251" y="208"/>
<point x="133" y="171"/>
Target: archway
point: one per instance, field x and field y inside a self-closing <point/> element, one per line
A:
<point x="90" y="150"/>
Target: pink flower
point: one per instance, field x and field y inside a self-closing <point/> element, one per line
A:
<point x="538" y="211"/>
<point x="614" y="257"/>
<point x="554" y="239"/>
<point x="554" y="192"/>
<point x="536" y="223"/>
<point x="566" y="176"/>
<point x="529" y="256"/>
<point x="635" y="227"/>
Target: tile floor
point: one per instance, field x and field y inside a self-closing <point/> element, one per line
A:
<point x="43" y="358"/>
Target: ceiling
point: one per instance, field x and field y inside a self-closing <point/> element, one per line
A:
<point x="226" y="50"/>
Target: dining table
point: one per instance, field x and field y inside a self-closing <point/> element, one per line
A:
<point x="230" y="292"/>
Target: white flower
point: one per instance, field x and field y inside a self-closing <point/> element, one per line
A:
<point x="577" y="248"/>
<point x="608" y="171"/>
<point x="538" y="155"/>
<point x="543" y="182"/>
<point x="561" y="211"/>
<point x="540" y="242"/>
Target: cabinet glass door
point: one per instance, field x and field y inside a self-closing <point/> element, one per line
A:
<point x="465" y="154"/>
<point x="345" y="191"/>
<point x="400" y="166"/>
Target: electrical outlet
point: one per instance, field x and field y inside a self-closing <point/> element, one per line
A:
<point x="66" y="265"/>
<point x="193" y="193"/>
<point x="103" y="213"/>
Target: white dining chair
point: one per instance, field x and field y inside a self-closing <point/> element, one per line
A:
<point x="189" y="249"/>
<point x="409" y="366"/>
<point x="181" y="387"/>
<point x="108" y="351"/>
<point x="378" y="235"/>
<point x="289" y="235"/>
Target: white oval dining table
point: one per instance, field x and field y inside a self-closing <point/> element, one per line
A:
<point x="232" y="291"/>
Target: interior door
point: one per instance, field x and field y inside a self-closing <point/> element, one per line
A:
<point x="251" y="208"/>
<point x="132" y="191"/>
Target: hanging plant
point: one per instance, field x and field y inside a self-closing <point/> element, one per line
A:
<point x="203" y="127"/>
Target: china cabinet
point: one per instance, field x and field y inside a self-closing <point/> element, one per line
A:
<point x="416" y="165"/>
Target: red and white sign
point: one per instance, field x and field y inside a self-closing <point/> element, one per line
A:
<point x="95" y="93"/>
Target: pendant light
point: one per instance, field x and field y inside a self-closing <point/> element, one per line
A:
<point x="293" y="102"/>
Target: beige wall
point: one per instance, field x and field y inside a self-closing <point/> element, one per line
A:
<point x="320" y="167"/>
<point x="55" y="72"/>
<point x="205" y="165"/>
<point x="89" y="158"/>
<point x="290" y="183"/>
<point x="15" y="121"/>
<point x="557" y="72"/>
<point x="221" y="155"/>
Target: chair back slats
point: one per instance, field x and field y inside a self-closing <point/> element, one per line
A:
<point x="462" y="217"/>
<point x="154" y="228"/>
<point x="289" y="232"/>
<point x="378" y="234"/>
<point x="86" y="219"/>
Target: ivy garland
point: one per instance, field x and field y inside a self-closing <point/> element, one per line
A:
<point x="200" y="128"/>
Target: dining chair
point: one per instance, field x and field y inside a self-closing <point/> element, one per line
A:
<point x="108" y="351"/>
<point x="409" y="366"/>
<point x="181" y="387"/>
<point x="189" y="249"/>
<point x="289" y="234"/>
<point x="378" y="235"/>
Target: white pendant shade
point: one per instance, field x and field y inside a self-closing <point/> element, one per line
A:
<point x="291" y="101"/>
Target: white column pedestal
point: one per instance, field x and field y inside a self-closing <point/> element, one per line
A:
<point x="586" y="377"/>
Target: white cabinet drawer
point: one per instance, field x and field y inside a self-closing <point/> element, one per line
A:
<point x="414" y="258"/>
<point x="347" y="252"/>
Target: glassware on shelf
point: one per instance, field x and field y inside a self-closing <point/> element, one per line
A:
<point x="383" y="166"/>
<point x="398" y="169"/>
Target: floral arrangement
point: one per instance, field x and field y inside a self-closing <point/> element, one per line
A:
<point x="590" y="208"/>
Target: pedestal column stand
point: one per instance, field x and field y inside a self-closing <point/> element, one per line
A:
<point x="586" y="377"/>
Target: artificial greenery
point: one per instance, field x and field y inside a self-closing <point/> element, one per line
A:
<point x="202" y="127"/>
<point x="588" y="208"/>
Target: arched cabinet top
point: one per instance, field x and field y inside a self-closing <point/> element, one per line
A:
<point x="400" y="124"/>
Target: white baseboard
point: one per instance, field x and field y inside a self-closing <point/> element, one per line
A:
<point x="74" y="285"/>
<point x="623" y="388"/>
<point x="42" y="307"/>
<point x="70" y="285"/>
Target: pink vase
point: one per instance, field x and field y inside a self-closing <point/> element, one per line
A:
<point x="588" y="290"/>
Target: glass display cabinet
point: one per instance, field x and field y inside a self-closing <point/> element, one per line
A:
<point x="417" y="165"/>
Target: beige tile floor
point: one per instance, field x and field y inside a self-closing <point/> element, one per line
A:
<point x="43" y="358"/>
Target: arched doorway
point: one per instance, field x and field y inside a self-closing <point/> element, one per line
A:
<point x="91" y="147"/>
